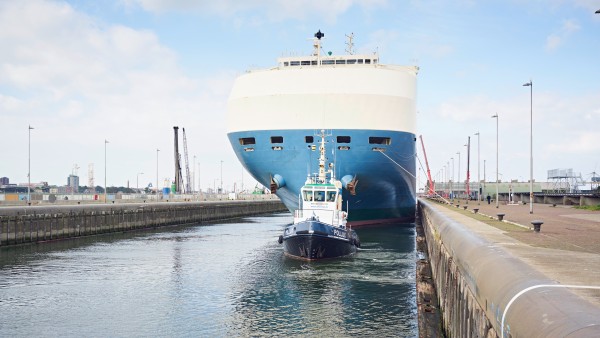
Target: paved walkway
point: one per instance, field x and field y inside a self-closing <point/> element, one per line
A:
<point x="564" y="227"/>
<point x="567" y="249"/>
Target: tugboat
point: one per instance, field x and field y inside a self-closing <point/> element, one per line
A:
<point x="319" y="230"/>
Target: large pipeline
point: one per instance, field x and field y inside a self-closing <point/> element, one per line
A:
<point x="484" y="291"/>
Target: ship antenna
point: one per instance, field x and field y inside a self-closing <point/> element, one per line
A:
<point x="350" y="44"/>
<point x="317" y="46"/>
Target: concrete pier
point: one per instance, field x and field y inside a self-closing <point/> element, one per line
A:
<point x="32" y="224"/>
<point x="494" y="281"/>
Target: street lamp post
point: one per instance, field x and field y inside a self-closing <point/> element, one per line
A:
<point x="452" y="184"/>
<point x="495" y="116"/>
<point x="458" y="178"/>
<point x="447" y="178"/>
<point x="221" y="188"/>
<point x="194" y="178"/>
<point x="29" y="168"/>
<point x="478" y="172"/>
<point x="530" y="85"/>
<point x="137" y="181"/>
<point x="157" y="150"/>
<point x="105" y="143"/>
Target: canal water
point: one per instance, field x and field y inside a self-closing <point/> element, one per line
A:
<point x="219" y="280"/>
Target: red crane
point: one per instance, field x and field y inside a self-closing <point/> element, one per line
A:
<point x="431" y="187"/>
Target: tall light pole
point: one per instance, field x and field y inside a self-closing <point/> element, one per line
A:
<point x="194" y="178"/>
<point x="452" y="184"/>
<point x="478" y="172"/>
<point x="458" y="178"/>
<point x="105" y="143"/>
<point x="221" y="188"/>
<point x="137" y="181"/>
<point x="447" y="178"/>
<point x="29" y="168"/>
<point x="157" y="150"/>
<point x="495" y="116"/>
<point x="484" y="177"/>
<point x="530" y="85"/>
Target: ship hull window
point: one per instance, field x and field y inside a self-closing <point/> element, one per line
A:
<point x="380" y="140"/>
<point x="343" y="139"/>
<point x="247" y="140"/>
<point x="309" y="139"/>
<point x="276" y="139"/>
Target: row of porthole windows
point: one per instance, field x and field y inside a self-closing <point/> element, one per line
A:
<point x="329" y="62"/>
<point x="310" y="139"/>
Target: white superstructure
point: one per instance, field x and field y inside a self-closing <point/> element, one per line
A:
<point x="325" y="92"/>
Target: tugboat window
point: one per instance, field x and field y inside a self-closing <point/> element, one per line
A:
<point x="331" y="196"/>
<point x="247" y="140"/>
<point x="380" y="140"/>
<point x="319" y="196"/>
<point x="276" y="139"/>
<point x="308" y="196"/>
<point x="309" y="139"/>
<point x="343" y="139"/>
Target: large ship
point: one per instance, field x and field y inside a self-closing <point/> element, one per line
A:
<point x="367" y="107"/>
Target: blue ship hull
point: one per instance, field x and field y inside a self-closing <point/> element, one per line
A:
<point x="386" y="177"/>
<point x="312" y="240"/>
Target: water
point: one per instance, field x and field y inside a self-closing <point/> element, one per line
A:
<point x="220" y="280"/>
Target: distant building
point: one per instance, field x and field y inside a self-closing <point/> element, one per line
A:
<point x="73" y="183"/>
<point x="4" y="181"/>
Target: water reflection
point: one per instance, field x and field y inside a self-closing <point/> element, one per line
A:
<point x="370" y="293"/>
<point x="226" y="279"/>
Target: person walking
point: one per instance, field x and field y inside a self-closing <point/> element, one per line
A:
<point x="488" y="198"/>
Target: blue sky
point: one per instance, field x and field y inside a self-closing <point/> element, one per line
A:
<point x="127" y="71"/>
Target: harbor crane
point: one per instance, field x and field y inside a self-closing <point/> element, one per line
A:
<point x="431" y="186"/>
<point x="178" y="176"/>
<point x="188" y="182"/>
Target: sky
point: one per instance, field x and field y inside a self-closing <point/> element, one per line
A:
<point x="126" y="71"/>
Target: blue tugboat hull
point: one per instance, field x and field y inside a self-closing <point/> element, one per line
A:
<point x="313" y="240"/>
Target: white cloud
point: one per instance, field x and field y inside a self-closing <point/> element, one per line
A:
<point x="555" y="40"/>
<point x="582" y="143"/>
<point x="275" y="10"/>
<point x="79" y="81"/>
<point x="564" y="132"/>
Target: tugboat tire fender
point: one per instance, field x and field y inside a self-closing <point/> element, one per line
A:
<point x="280" y="239"/>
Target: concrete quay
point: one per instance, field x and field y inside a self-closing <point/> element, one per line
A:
<point x="502" y="279"/>
<point x="31" y="224"/>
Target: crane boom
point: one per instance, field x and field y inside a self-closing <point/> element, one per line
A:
<point x="431" y="187"/>
<point x="178" y="178"/>
<point x="187" y="165"/>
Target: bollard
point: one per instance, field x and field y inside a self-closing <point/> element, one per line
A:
<point x="500" y="217"/>
<point x="475" y="210"/>
<point x="537" y="225"/>
<point x="458" y="205"/>
<point x="464" y="207"/>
